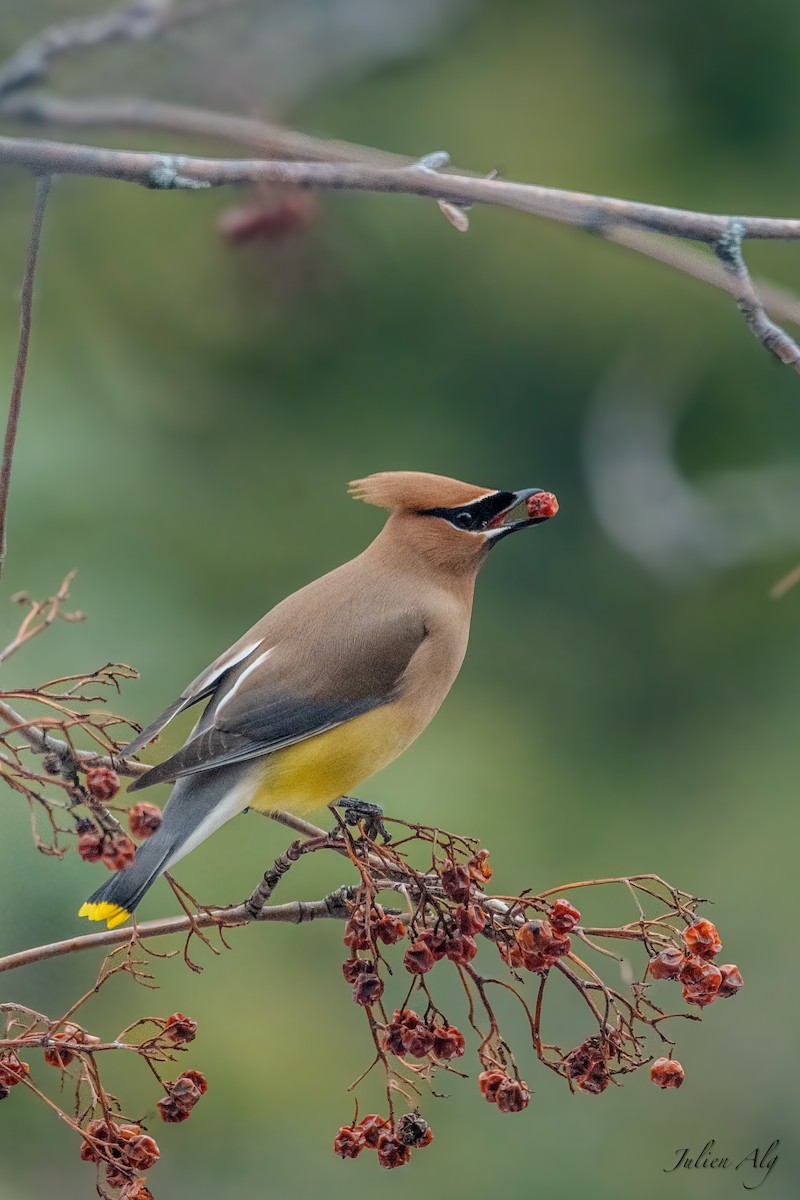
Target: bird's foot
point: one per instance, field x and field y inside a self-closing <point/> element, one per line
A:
<point x="357" y="811"/>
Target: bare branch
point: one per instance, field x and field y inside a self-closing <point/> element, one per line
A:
<point x="26" y="309"/>
<point x="728" y="249"/>
<point x="333" y="907"/>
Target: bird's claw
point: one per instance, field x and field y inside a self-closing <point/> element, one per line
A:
<point x="358" y="811"/>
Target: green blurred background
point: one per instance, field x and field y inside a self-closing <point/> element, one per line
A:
<point x="192" y="415"/>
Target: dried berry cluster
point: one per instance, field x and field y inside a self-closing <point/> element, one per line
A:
<point x="702" y="981"/>
<point x="393" y="1146"/>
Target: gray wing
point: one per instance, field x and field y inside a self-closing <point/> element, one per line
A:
<point x="295" y="690"/>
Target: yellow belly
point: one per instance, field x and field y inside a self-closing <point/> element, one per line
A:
<point x="319" y="770"/>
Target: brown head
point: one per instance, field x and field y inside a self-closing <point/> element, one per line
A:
<point x="443" y="522"/>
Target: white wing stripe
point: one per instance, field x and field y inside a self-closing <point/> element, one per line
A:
<point x="241" y="680"/>
<point x="219" y="667"/>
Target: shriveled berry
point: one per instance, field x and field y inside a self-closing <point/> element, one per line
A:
<point x="460" y="948"/>
<point x="702" y="939"/>
<point x="414" y="1131"/>
<point x="456" y="881"/>
<point x="417" y="1040"/>
<point x="392" y="1152"/>
<point x="731" y="980"/>
<point x="563" y="915"/>
<point x="141" y="1152"/>
<point x="349" y="1142"/>
<point x="180" y="1029"/>
<point x="171" y="1112"/>
<point x="666" y="1073"/>
<point x="666" y="964"/>
<point x="117" y="1175"/>
<point x="12" y="1071"/>
<point x="701" y="981"/>
<point x="489" y="1082"/>
<point x="595" y="1081"/>
<point x="448" y="1042"/>
<point x="535" y="937"/>
<point x="368" y="988"/>
<point x="118" y="851"/>
<point x="355" y="933"/>
<point x="478" y="867"/>
<point x="469" y="919"/>
<point x="56" y="1056"/>
<point x="419" y="957"/>
<point x="353" y="967"/>
<point x="137" y="1189"/>
<point x="144" y="819"/>
<point x="583" y="1059"/>
<point x="389" y="929"/>
<point x="91" y="845"/>
<point x="393" y="1040"/>
<point x="373" y="1127"/>
<point x="513" y="1095"/>
<point x="102" y="783"/>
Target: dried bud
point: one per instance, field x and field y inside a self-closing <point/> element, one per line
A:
<point x="91" y="845"/>
<point x="102" y="784"/>
<point x="392" y="1152"/>
<point x="448" y="1042"/>
<point x="414" y="1131"/>
<point x="666" y="964"/>
<point x="731" y="980"/>
<point x="373" y="1127"/>
<point x="701" y="980"/>
<point x="12" y="1071"/>
<point x="119" y="851"/>
<point x="563" y="916"/>
<point x="666" y="1073"/>
<point x="478" y="867"/>
<point x="180" y="1029"/>
<point x="368" y="988"/>
<point x="349" y="1142"/>
<point x="469" y="919"/>
<point x="702" y="939"/>
<point x="144" y="819"/>
<point x="456" y="882"/>
<point x="513" y="1095"/>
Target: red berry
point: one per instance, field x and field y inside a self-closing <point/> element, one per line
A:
<point x="456" y="882"/>
<point x="102" y="783"/>
<point x="535" y="937"/>
<point x="564" y="916"/>
<point x="666" y="964"/>
<point x="56" y="1057"/>
<point x="349" y="1142"/>
<point x="373" y="1127"/>
<point x="180" y="1029"/>
<point x="118" y="852"/>
<point x="731" y="980"/>
<point x="541" y="505"/>
<point x="392" y="1152"/>
<point x="666" y="1073"/>
<point x="513" y="1095"/>
<point x="12" y="1071"/>
<point x="701" y="981"/>
<point x="702" y="939"/>
<point x="448" y="1042"/>
<point x="91" y="845"/>
<point x="144" y="819"/>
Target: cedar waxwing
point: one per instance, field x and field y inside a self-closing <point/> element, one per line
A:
<point x="332" y="684"/>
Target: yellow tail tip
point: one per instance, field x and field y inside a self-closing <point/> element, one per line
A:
<point x="112" y="914"/>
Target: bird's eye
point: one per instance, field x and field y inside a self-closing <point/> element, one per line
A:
<point x="464" y="520"/>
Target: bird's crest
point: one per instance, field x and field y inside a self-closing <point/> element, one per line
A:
<point x="414" y="491"/>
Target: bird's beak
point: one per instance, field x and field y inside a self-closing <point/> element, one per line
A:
<point x="500" y="525"/>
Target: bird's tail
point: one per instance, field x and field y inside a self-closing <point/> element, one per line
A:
<point x="198" y="805"/>
<point x="117" y="898"/>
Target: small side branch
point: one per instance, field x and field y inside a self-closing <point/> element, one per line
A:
<point x="728" y="249"/>
<point x="26" y="306"/>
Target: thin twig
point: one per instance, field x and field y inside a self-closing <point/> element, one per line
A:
<point x="26" y="308"/>
<point x="728" y="249"/>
